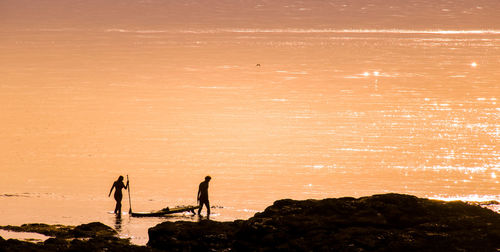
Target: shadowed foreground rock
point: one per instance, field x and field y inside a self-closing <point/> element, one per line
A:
<point x="90" y="230"/>
<point x="93" y="236"/>
<point x="389" y="222"/>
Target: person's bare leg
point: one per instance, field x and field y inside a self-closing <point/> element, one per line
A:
<point x="208" y="208"/>
<point x="118" y="208"/>
<point x="199" y="209"/>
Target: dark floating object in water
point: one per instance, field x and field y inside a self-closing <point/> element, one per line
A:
<point x="165" y="211"/>
<point x="258" y="65"/>
<point x="15" y="195"/>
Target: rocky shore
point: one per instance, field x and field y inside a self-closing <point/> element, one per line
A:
<point x="387" y="222"/>
<point x="93" y="236"/>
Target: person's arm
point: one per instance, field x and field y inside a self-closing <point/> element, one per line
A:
<point x="126" y="186"/>
<point x="111" y="189"/>
<point x="199" y="193"/>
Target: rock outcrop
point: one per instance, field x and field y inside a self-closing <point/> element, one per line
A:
<point x="388" y="222"/>
<point x="90" y="230"/>
<point x="93" y="236"/>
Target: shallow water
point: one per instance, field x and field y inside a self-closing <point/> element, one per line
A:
<point x="328" y="112"/>
<point x="23" y="236"/>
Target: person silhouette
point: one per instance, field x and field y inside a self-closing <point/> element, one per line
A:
<point x="118" y="186"/>
<point x="203" y="195"/>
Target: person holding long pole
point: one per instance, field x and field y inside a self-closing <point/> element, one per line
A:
<point x="118" y="186"/>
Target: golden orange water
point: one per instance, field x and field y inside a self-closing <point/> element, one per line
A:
<point x="295" y="104"/>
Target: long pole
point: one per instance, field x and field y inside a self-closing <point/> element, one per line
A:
<point x="129" y="202"/>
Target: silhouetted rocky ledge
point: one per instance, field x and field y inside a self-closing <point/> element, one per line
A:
<point x="93" y="236"/>
<point x="388" y="222"/>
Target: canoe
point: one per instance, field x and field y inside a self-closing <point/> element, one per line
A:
<point x="165" y="211"/>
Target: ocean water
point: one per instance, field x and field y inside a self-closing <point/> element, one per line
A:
<point x="300" y="110"/>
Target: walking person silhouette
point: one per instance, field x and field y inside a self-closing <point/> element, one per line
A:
<point x="118" y="186"/>
<point x="203" y="195"/>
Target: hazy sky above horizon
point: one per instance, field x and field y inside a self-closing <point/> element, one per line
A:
<point x="158" y="14"/>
